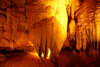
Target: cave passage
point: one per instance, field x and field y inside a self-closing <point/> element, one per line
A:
<point x="49" y="33"/>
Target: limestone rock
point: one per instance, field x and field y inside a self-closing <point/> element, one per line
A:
<point x="43" y="22"/>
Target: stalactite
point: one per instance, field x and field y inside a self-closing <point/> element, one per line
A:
<point x="97" y="20"/>
<point x="94" y="36"/>
<point x="78" y="39"/>
<point x="88" y="19"/>
<point x="84" y="35"/>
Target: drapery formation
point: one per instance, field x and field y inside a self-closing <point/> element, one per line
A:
<point x="86" y="16"/>
<point x="39" y="23"/>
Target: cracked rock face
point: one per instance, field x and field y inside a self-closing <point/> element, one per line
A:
<point x="42" y="22"/>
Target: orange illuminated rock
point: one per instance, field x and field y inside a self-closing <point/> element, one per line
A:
<point x="86" y="14"/>
<point x="42" y="22"/>
<point x="49" y="25"/>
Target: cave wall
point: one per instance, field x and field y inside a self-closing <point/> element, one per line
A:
<point x="43" y="24"/>
<point x="85" y="18"/>
<point x="39" y="23"/>
<point x="13" y="22"/>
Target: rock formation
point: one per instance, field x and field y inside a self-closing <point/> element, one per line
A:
<point x="41" y="22"/>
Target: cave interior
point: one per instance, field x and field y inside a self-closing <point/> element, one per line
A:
<point x="49" y="33"/>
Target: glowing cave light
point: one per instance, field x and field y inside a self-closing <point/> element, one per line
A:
<point x="48" y="55"/>
<point x="42" y="55"/>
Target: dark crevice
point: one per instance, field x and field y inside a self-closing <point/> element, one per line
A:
<point x="3" y="15"/>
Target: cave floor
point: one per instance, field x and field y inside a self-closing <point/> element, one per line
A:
<point x="66" y="58"/>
